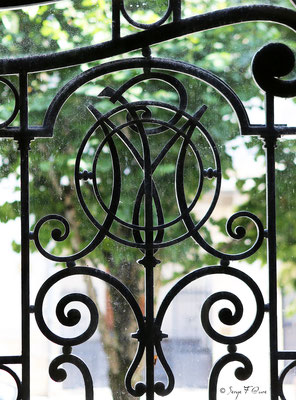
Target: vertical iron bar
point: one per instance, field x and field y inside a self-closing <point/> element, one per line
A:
<point x="176" y="10"/>
<point x="149" y="265"/>
<point x="270" y="143"/>
<point x="150" y="332"/>
<point x="116" y="5"/>
<point x="24" y="143"/>
<point x="269" y="111"/>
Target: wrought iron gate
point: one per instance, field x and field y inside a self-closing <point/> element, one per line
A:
<point x="149" y="235"/>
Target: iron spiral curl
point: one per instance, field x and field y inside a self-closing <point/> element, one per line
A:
<point x="73" y="316"/>
<point x="282" y="377"/>
<point x="238" y="233"/>
<point x="59" y="374"/>
<point x="16" y="379"/>
<point x="226" y="316"/>
<point x="70" y="319"/>
<point x="56" y="233"/>
<point x="241" y="373"/>
<point x="59" y="236"/>
<point x="272" y="62"/>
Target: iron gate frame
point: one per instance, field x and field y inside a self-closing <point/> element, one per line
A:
<point x="149" y="334"/>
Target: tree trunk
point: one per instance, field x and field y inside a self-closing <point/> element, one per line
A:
<point x="121" y="325"/>
<point x="117" y="323"/>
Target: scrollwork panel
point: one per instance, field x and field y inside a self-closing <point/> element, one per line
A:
<point x="126" y="151"/>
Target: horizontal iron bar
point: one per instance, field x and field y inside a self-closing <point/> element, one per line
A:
<point x="287" y="355"/>
<point x="32" y="132"/>
<point x="198" y="23"/>
<point x="263" y="130"/>
<point x="252" y="130"/>
<point x="11" y="359"/>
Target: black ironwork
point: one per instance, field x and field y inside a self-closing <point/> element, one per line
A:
<point x="141" y="118"/>
<point x="20" y="3"/>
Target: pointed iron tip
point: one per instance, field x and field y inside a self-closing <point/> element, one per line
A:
<point x="107" y="92"/>
<point x="200" y="112"/>
<point x="96" y="113"/>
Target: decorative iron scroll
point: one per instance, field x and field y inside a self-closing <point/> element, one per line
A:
<point x="185" y="131"/>
<point x="138" y="118"/>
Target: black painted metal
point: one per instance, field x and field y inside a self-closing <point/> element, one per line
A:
<point x="20" y="3"/>
<point x="148" y="238"/>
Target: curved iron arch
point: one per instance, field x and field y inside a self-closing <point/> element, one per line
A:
<point x="149" y="37"/>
